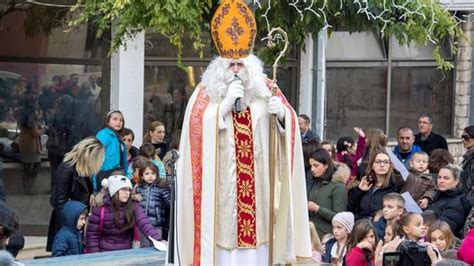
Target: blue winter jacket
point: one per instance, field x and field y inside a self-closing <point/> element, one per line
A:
<point x="380" y="226"/>
<point x="406" y="162"/>
<point x="115" y="153"/>
<point x="115" y="150"/>
<point x="68" y="240"/>
<point x="155" y="202"/>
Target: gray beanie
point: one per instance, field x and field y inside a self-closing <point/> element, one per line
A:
<point x="346" y="219"/>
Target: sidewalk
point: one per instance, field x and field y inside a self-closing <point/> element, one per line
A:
<point x="34" y="246"/>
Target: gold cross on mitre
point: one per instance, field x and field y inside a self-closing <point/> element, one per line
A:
<point x="233" y="29"/>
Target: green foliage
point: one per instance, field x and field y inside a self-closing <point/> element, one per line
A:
<point x="178" y="18"/>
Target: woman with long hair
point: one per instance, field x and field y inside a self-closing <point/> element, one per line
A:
<point x="73" y="180"/>
<point x="381" y="178"/>
<point x="29" y="141"/>
<point x="156" y="136"/>
<point x="326" y="198"/>
<point x="375" y="140"/>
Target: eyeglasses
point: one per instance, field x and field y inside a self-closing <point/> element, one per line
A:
<point x="382" y="162"/>
<point x="465" y="137"/>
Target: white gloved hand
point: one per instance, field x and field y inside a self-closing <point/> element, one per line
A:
<point x="275" y="106"/>
<point x="235" y="91"/>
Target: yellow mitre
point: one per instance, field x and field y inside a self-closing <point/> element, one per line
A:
<point x="233" y="29"/>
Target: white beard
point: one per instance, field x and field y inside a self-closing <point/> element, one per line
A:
<point x="217" y="78"/>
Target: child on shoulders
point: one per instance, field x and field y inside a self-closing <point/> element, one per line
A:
<point x="419" y="183"/>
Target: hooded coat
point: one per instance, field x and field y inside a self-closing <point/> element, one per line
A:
<point x="68" y="241"/>
<point x="331" y="198"/>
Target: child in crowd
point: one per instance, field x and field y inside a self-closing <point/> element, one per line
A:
<point x="392" y="230"/>
<point x="348" y="152"/>
<point x="155" y="199"/>
<point x="316" y="246"/>
<point x="342" y="224"/>
<point x="419" y="183"/>
<point x="329" y="147"/>
<point x="393" y="208"/>
<point x="128" y="137"/>
<point x="412" y="226"/>
<point x="111" y="226"/>
<point x="361" y="244"/>
<point x="324" y="240"/>
<point x="134" y="169"/>
<point x="68" y="240"/>
<point x="429" y="218"/>
<point x="440" y="235"/>
<point x="115" y="150"/>
<point x="148" y="151"/>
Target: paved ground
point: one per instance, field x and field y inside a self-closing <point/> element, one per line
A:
<point x="34" y="246"/>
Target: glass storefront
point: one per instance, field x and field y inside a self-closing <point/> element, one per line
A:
<point x="53" y="82"/>
<point x="375" y="83"/>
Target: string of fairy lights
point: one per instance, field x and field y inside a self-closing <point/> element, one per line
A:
<point x="407" y="8"/>
<point x="319" y="8"/>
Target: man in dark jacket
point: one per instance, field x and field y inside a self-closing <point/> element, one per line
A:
<point x="307" y="134"/>
<point x="426" y="139"/>
<point x="68" y="241"/>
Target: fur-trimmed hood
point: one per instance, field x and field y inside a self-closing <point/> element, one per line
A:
<point x="103" y="196"/>
<point x="342" y="174"/>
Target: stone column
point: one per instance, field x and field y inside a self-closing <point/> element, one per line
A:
<point x="127" y="83"/>
<point x="463" y="81"/>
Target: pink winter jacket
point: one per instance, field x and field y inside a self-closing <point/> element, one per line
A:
<point x="466" y="250"/>
<point x="356" y="257"/>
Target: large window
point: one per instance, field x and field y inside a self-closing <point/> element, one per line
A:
<point x="374" y="83"/>
<point x="54" y="82"/>
<point x="168" y="87"/>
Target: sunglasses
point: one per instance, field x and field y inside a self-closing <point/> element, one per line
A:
<point x="465" y="137"/>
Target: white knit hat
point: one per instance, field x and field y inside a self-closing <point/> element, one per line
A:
<point x="115" y="183"/>
<point x="346" y="219"/>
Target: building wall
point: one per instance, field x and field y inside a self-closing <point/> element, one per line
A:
<point x="462" y="96"/>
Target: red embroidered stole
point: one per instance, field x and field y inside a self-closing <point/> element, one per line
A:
<point x="246" y="220"/>
<point x="196" y="137"/>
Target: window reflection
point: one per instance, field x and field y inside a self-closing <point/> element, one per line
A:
<point x="45" y="110"/>
<point x="167" y="90"/>
<point x="355" y="97"/>
<point x="417" y="89"/>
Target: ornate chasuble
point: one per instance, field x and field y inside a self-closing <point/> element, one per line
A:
<point x="246" y="220"/>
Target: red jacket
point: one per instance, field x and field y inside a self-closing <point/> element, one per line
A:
<point x="466" y="250"/>
<point x="356" y="257"/>
<point x="354" y="157"/>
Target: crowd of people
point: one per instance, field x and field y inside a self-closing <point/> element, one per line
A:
<point x="125" y="188"/>
<point x="362" y="192"/>
<point x="363" y="198"/>
<point x="47" y="120"/>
